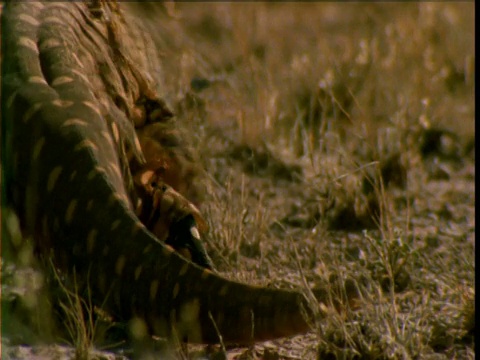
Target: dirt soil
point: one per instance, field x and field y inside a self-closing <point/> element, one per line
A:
<point x="338" y="142"/>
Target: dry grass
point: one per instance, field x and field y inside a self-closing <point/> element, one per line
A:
<point x="338" y="138"/>
<point x="318" y="121"/>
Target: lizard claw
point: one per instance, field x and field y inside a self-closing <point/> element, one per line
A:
<point x="184" y="237"/>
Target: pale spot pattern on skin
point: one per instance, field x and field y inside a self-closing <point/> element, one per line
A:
<point x="91" y="174"/>
<point x="62" y="80"/>
<point x="106" y="135"/>
<point x="100" y="170"/>
<point x="28" y="43"/>
<point x="53" y="20"/>
<point x="139" y="207"/>
<point x="104" y="103"/>
<point x="190" y="311"/>
<point x="60" y="6"/>
<point x="72" y="122"/>
<point x="184" y="269"/>
<point x="168" y="250"/>
<point x="138" y="328"/>
<point x="120" y="264"/>
<point x="38" y="147"/>
<point x="97" y="170"/>
<point x="30" y="112"/>
<point x="85" y="144"/>
<point x="146" y="176"/>
<point x="136" y="228"/>
<point x="115" y="169"/>
<point x="29" y="19"/>
<point x="115" y="198"/>
<point x="11" y="99"/>
<point x="70" y="211"/>
<point x="176" y="289"/>
<point x="148" y="248"/>
<point x="37" y="4"/>
<point x="153" y="290"/>
<point x="62" y="103"/>
<point x="93" y="107"/>
<point x="137" y="144"/>
<point x="50" y="43"/>
<point x="53" y="177"/>
<point x="205" y="274"/>
<point x="126" y="201"/>
<point x="37" y="80"/>
<point x="91" y="237"/>
<point x="116" y="134"/>
<point x="80" y="74"/>
<point x="115" y="225"/>
<point x="79" y="62"/>
<point x="138" y="271"/>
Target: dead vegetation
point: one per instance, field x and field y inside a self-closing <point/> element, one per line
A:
<point x="338" y="143"/>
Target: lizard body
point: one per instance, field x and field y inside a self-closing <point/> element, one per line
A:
<point x="74" y="86"/>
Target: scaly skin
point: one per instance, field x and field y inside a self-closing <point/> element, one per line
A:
<point x="171" y="217"/>
<point x="170" y="159"/>
<point x="162" y="183"/>
<point x="74" y="86"/>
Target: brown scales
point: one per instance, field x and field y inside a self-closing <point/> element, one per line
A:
<point x="169" y="158"/>
<point x="171" y="217"/>
<point x="74" y="88"/>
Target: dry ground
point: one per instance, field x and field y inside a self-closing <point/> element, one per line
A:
<point x="338" y="143"/>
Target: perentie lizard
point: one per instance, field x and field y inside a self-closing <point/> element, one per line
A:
<point x="75" y="83"/>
